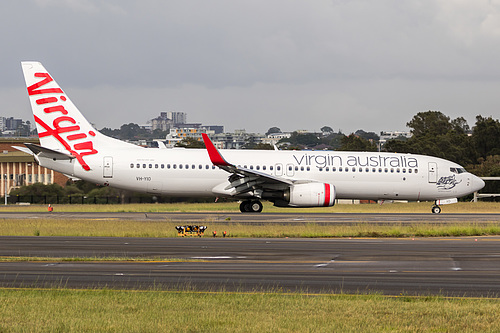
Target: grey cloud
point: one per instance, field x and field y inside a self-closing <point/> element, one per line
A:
<point x="374" y="61"/>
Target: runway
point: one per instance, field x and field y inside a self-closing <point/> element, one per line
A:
<point x="451" y="267"/>
<point x="263" y="218"/>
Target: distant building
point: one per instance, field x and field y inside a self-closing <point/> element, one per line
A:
<point x="18" y="168"/>
<point x="167" y="120"/>
<point x="177" y="134"/>
<point x="236" y="140"/>
<point x="389" y="135"/>
<point x="274" y="138"/>
<point x="12" y="123"/>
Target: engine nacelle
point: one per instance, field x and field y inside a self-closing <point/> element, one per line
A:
<point x="310" y="195"/>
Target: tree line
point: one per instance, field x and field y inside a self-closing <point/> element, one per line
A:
<point x="433" y="133"/>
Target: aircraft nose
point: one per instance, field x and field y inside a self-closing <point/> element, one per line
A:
<point x="477" y="183"/>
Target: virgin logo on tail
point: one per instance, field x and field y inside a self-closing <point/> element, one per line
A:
<point x="64" y="124"/>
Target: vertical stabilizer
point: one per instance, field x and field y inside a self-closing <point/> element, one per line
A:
<point x="60" y="125"/>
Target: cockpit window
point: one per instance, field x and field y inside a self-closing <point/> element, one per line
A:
<point x="458" y="170"/>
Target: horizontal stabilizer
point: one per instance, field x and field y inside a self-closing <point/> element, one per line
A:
<point x="46" y="152"/>
<point x="23" y="149"/>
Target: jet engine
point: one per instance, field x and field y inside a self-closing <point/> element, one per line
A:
<point x="308" y="195"/>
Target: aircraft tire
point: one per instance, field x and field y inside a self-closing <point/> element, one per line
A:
<point x="436" y="209"/>
<point x="256" y="206"/>
<point x="245" y="206"/>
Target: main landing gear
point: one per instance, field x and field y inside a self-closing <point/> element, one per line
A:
<point x="251" y="206"/>
<point x="436" y="209"/>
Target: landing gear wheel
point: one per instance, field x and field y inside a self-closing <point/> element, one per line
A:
<point x="245" y="206"/>
<point x="256" y="206"/>
<point x="436" y="209"/>
<point x="248" y="206"/>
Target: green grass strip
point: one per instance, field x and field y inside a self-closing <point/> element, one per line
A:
<point x="94" y="259"/>
<point x="161" y="228"/>
<point x="66" y="310"/>
<point x="233" y="207"/>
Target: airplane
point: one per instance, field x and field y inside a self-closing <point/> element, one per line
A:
<point x="71" y="145"/>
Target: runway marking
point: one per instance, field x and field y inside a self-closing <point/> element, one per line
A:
<point x="219" y="257"/>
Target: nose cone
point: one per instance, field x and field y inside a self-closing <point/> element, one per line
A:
<point x="477" y="183"/>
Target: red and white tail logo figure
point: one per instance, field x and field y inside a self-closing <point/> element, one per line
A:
<point x="61" y="127"/>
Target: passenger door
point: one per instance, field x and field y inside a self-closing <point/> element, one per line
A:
<point x="107" y="168"/>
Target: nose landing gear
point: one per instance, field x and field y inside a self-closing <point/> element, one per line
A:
<point x="436" y="209"/>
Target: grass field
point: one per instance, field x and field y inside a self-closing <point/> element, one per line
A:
<point x="412" y="207"/>
<point x="62" y="310"/>
<point x="184" y="310"/>
<point x="160" y="228"/>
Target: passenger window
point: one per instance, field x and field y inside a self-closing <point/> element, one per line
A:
<point x="360" y="170"/>
<point x="334" y="169"/>
<point x="151" y="166"/>
<point x="131" y="165"/>
<point x="156" y="166"/>
<point x="301" y="168"/>
<point x="416" y="170"/>
<point x="257" y="167"/>
<point x="144" y="166"/>
<point x="409" y="170"/>
<point x="340" y="169"/>
<point x="175" y="166"/>
<point x="263" y="167"/>
<point x="163" y="166"/>
<point x="193" y="166"/>
<point x="138" y="165"/>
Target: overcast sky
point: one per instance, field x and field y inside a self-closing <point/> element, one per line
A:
<point x="350" y="65"/>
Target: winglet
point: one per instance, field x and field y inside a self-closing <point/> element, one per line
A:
<point x="213" y="153"/>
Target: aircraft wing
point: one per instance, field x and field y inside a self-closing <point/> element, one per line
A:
<point x="243" y="180"/>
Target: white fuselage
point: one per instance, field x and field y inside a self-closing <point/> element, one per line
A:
<point x="355" y="175"/>
<point x="70" y="144"/>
